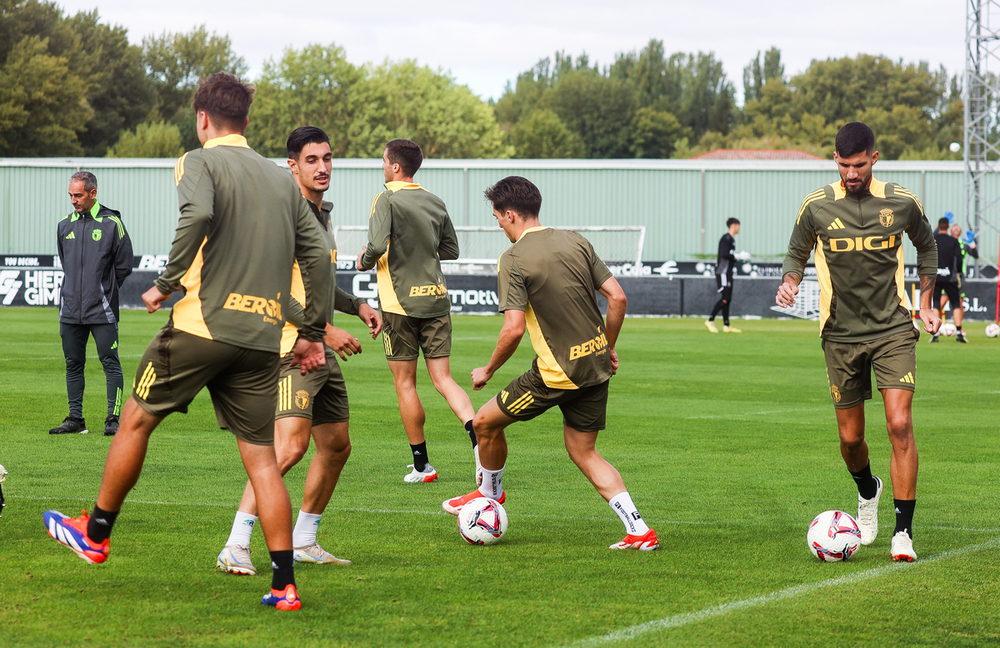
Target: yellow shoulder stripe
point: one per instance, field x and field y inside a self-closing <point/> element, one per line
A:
<point x="811" y="198"/>
<point x="179" y="169"/>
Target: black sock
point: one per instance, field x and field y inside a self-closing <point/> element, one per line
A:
<point x="419" y="455"/>
<point x="284" y="569"/>
<point x="725" y="314"/>
<point x="904" y="516"/>
<point x="99" y="526"/>
<point x="472" y="433"/>
<point x="958" y="328"/>
<point x="867" y="486"/>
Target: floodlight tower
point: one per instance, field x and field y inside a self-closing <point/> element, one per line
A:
<point x="982" y="87"/>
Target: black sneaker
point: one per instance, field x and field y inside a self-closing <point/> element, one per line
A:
<point x="934" y="338"/>
<point x="111" y="426"/>
<point x="71" y="425"/>
<point x="961" y="337"/>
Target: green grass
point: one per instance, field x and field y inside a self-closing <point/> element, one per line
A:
<point x="727" y="443"/>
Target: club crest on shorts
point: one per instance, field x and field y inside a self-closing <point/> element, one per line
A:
<point x="885" y="217"/>
<point x="835" y="393"/>
<point x="302" y="399"/>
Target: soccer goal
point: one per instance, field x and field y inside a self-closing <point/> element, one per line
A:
<point x="484" y="245"/>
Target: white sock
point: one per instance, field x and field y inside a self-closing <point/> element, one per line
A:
<point x="629" y="514"/>
<point x="242" y="529"/>
<point x="492" y="483"/>
<point x="306" y="526"/>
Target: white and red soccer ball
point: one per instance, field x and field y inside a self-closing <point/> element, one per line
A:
<point x="992" y="330"/>
<point x="482" y="521"/>
<point x="833" y="536"/>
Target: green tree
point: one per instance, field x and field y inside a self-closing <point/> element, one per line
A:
<point x="149" y="140"/>
<point x="117" y="88"/>
<point x="544" y="135"/>
<point x="405" y="100"/>
<point x="757" y="74"/>
<point x="175" y="63"/>
<point x="597" y="108"/>
<point x="654" y="133"/>
<point x="42" y="104"/>
<point x="314" y="86"/>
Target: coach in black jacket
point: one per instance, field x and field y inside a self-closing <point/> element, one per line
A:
<point x="96" y="256"/>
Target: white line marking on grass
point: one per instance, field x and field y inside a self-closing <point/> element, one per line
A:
<point x="679" y="620"/>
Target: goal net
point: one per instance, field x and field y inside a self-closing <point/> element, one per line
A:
<point x="484" y="245"/>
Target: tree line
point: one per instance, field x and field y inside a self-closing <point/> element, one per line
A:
<point x="72" y="86"/>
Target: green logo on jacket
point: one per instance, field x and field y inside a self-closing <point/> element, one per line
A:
<point x="96" y="234"/>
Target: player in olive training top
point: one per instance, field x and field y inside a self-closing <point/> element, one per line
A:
<point x="548" y="281"/>
<point x="857" y="227"/>
<point x="409" y="233"/>
<point x="314" y="405"/>
<point x="243" y="225"/>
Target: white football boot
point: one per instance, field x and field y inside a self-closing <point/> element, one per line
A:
<point x="868" y="515"/>
<point x="415" y="477"/>
<point x="902" y="547"/>
<point x="234" y="559"/>
<point x="315" y="554"/>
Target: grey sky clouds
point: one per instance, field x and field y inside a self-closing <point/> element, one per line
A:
<point x="484" y="45"/>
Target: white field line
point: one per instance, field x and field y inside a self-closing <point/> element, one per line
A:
<point x="724" y="609"/>
<point x="356" y="509"/>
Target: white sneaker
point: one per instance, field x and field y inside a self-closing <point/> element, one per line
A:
<point x="415" y="476"/>
<point x="479" y="467"/>
<point x="234" y="559"/>
<point x="315" y="554"/>
<point x="868" y="515"/>
<point x="902" y="547"/>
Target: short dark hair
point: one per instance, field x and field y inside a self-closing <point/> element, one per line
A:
<point x="226" y="99"/>
<point x="518" y="194"/>
<point x="943" y="223"/>
<point x="854" y="138"/>
<point x="406" y="154"/>
<point x="732" y="221"/>
<point x="88" y="179"/>
<point x="305" y="135"/>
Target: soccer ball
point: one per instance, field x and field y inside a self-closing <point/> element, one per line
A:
<point x="833" y="536"/>
<point x="482" y="521"/>
<point x="948" y="330"/>
<point x="992" y="330"/>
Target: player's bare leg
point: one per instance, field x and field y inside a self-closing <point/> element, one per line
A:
<point x="458" y="400"/>
<point x="411" y="410"/>
<point x="291" y="441"/>
<point x="581" y="448"/>
<point x="274" y="506"/>
<point x="851" y="427"/>
<point x="126" y="455"/>
<point x="899" y="423"/>
<point x="490" y="424"/>
<point x="333" y="449"/>
<point x="903" y="468"/>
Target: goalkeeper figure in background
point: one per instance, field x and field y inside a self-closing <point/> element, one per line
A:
<point x="725" y="267"/>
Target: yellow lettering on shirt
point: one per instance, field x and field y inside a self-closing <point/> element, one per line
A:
<point x="598" y="344"/>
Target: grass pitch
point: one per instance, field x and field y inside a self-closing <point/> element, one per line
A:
<point x="727" y="443"/>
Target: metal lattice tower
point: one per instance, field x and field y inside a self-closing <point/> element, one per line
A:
<point x="982" y="146"/>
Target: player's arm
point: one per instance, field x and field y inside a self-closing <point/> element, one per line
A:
<point x="196" y="200"/>
<point x="800" y="246"/>
<point x="615" y="317"/>
<point x="379" y="227"/>
<point x="312" y="255"/>
<point x="922" y="236"/>
<point x="507" y="343"/>
<point x="448" y="247"/>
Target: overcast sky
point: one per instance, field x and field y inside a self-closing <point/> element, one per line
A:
<point x="485" y="44"/>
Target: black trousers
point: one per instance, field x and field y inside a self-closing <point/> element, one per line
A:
<point x="74" y="343"/>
